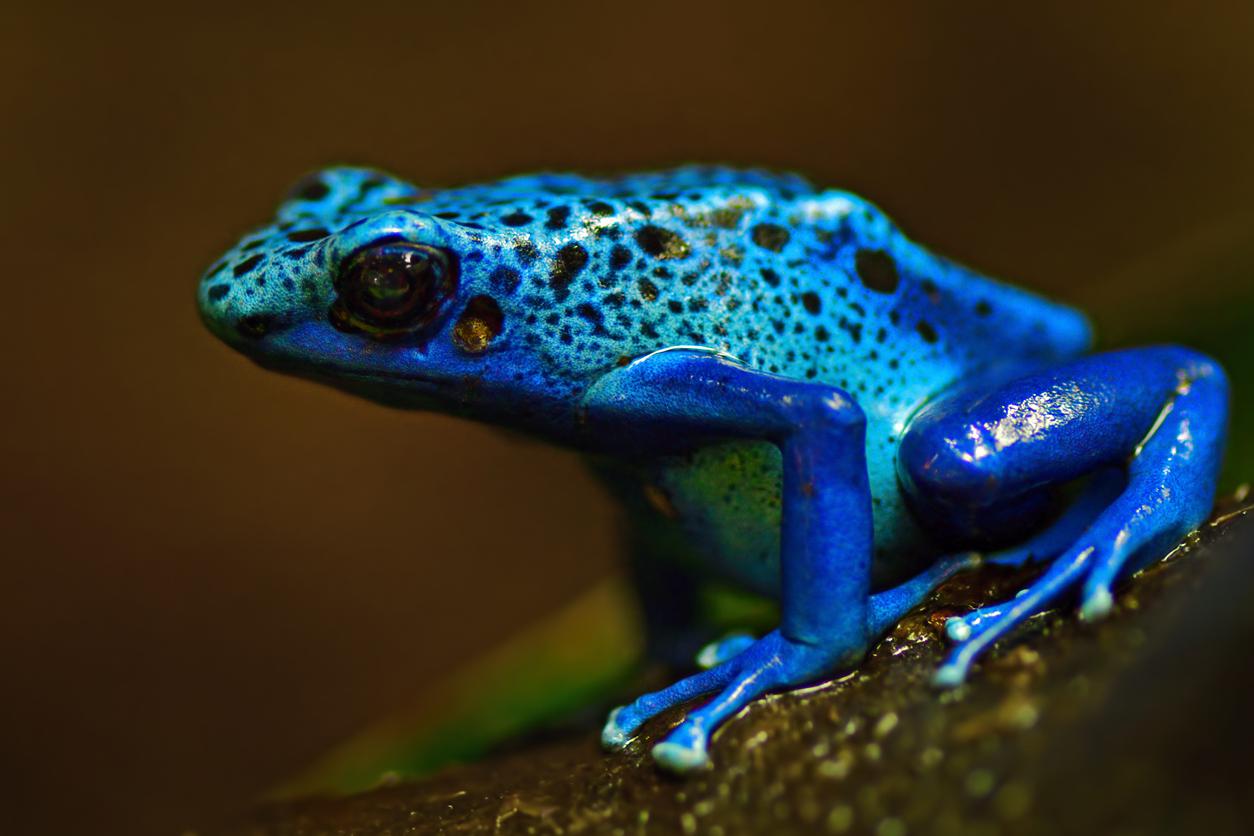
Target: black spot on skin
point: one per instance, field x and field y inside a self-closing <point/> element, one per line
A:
<point x="877" y="270"/>
<point x="614" y="300"/>
<point x="822" y="334"/>
<point x="675" y="306"/>
<point x="217" y="292"/>
<point x="296" y="252"/>
<point x="770" y="237"/>
<point x="648" y="330"/>
<point x="771" y="277"/>
<point x="557" y="217"/>
<point x="288" y="284"/>
<point x="304" y="235"/>
<point x="590" y="312"/>
<point x="648" y="290"/>
<point x="926" y="331"/>
<point x="255" y="326"/>
<point x="246" y="265"/>
<point x="504" y="280"/>
<point x="983" y="308"/>
<point x="620" y="257"/>
<point x="853" y="329"/>
<point x="309" y="188"/>
<point x="252" y="245"/>
<point x="516" y="219"/>
<point x="526" y="251"/>
<point x="643" y="208"/>
<point x="448" y="216"/>
<point x="810" y="300"/>
<point x="661" y="243"/>
<point x="567" y="264"/>
<point x="598" y="207"/>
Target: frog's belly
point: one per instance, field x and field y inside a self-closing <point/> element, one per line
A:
<point x="727" y="499"/>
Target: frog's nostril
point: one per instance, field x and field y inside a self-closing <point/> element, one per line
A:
<point x="256" y="326"/>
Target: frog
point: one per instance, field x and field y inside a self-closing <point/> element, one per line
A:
<point x="789" y="393"/>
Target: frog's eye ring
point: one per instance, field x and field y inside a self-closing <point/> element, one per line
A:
<point x="393" y="290"/>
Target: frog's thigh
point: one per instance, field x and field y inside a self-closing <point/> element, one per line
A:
<point x="982" y="449"/>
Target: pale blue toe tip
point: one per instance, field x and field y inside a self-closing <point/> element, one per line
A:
<point x="708" y="656"/>
<point x="679" y="758"/>
<point x="957" y="629"/>
<point x="613" y="736"/>
<point x="1097" y="604"/>
<point x="949" y="676"/>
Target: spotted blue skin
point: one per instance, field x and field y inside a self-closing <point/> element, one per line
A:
<point x="821" y="408"/>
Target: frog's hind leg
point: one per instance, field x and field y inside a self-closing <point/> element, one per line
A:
<point x="1101" y="490"/>
<point x="1160" y="413"/>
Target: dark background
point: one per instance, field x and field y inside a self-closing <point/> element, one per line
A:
<point x="212" y="573"/>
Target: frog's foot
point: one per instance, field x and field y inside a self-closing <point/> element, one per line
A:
<point x="769" y="663"/>
<point x="742" y="669"/>
<point x="717" y="652"/>
<point x="1049" y="544"/>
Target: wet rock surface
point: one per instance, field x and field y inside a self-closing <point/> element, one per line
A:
<point x="1138" y="724"/>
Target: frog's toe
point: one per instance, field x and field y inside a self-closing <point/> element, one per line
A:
<point x="958" y="629"/>
<point x="718" y="652"/>
<point x="624" y="721"/>
<point x="613" y="736"/>
<point x="1097" y="604"/>
<point x="977" y="631"/>
<point x="949" y="676"/>
<point x="681" y="758"/>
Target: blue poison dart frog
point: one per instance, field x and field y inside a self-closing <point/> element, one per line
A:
<point x="813" y="405"/>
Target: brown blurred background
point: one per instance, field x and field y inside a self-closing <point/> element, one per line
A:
<point x="209" y="576"/>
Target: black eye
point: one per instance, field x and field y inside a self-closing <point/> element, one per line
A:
<point x="394" y="289"/>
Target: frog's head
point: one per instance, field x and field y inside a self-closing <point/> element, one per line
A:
<point x="364" y="283"/>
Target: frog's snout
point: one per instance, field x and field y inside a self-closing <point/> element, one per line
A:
<point x="236" y="316"/>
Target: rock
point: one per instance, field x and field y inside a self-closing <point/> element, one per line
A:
<point x="1137" y="724"/>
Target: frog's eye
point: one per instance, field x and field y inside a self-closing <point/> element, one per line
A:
<point x="393" y="290"/>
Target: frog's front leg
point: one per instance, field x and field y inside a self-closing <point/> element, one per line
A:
<point x="683" y="396"/>
<point x="1157" y="414"/>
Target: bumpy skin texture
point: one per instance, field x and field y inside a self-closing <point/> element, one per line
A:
<point x="818" y="403"/>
